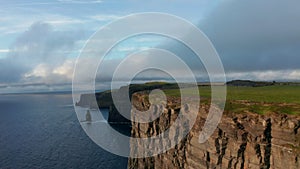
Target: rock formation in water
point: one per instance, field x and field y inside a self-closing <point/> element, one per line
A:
<point x="240" y="141"/>
<point x="88" y="116"/>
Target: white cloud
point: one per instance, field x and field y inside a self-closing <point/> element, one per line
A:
<point x="4" y="50"/>
<point x="104" y="17"/>
<point x="62" y="20"/>
<point x="149" y="39"/>
<point x="40" y="55"/>
<point x="131" y="48"/>
<point x="17" y="26"/>
<point x="66" y="69"/>
<point x="16" y="23"/>
<point x="41" y="71"/>
<point x="268" y="75"/>
<point x="55" y="2"/>
<point x="49" y="74"/>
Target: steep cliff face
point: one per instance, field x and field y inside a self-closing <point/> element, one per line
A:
<point x="240" y="141"/>
<point x="115" y="117"/>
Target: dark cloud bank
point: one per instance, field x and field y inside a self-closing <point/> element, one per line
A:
<point x="256" y="35"/>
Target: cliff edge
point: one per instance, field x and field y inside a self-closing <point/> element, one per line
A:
<point x="243" y="140"/>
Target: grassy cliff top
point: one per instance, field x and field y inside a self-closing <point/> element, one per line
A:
<point x="266" y="99"/>
<point x="270" y="94"/>
<point x="273" y="98"/>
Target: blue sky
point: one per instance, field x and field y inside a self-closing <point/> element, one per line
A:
<point x="39" y="40"/>
<point x="85" y="15"/>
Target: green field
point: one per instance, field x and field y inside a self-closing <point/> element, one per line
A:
<point x="279" y="98"/>
<point x="268" y="99"/>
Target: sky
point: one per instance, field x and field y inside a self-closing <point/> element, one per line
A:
<point x="41" y="39"/>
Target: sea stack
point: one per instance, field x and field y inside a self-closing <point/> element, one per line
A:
<point x="88" y="116"/>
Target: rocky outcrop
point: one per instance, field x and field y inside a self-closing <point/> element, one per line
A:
<point x="240" y="141"/>
<point x="101" y="100"/>
<point x="104" y="99"/>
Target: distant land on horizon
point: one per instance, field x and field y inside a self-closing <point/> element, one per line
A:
<point x="238" y="82"/>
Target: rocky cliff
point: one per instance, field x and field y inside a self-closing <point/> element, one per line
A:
<point x="240" y="141"/>
<point x="104" y="99"/>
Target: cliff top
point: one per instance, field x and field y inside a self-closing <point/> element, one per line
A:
<point x="259" y="97"/>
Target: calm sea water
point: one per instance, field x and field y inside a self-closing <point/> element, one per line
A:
<point x="42" y="131"/>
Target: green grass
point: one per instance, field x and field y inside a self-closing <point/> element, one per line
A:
<point x="270" y="94"/>
<point x="278" y="98"/>
<point x="269" y="99"/>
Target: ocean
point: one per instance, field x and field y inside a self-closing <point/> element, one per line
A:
<point x="41" y="131"/>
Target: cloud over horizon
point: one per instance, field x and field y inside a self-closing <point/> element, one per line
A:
<point x="256" y="40"/>
<point x="40" y="54"/>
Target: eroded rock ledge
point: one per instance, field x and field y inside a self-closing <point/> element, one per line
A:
<point x="245" y="140"/>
